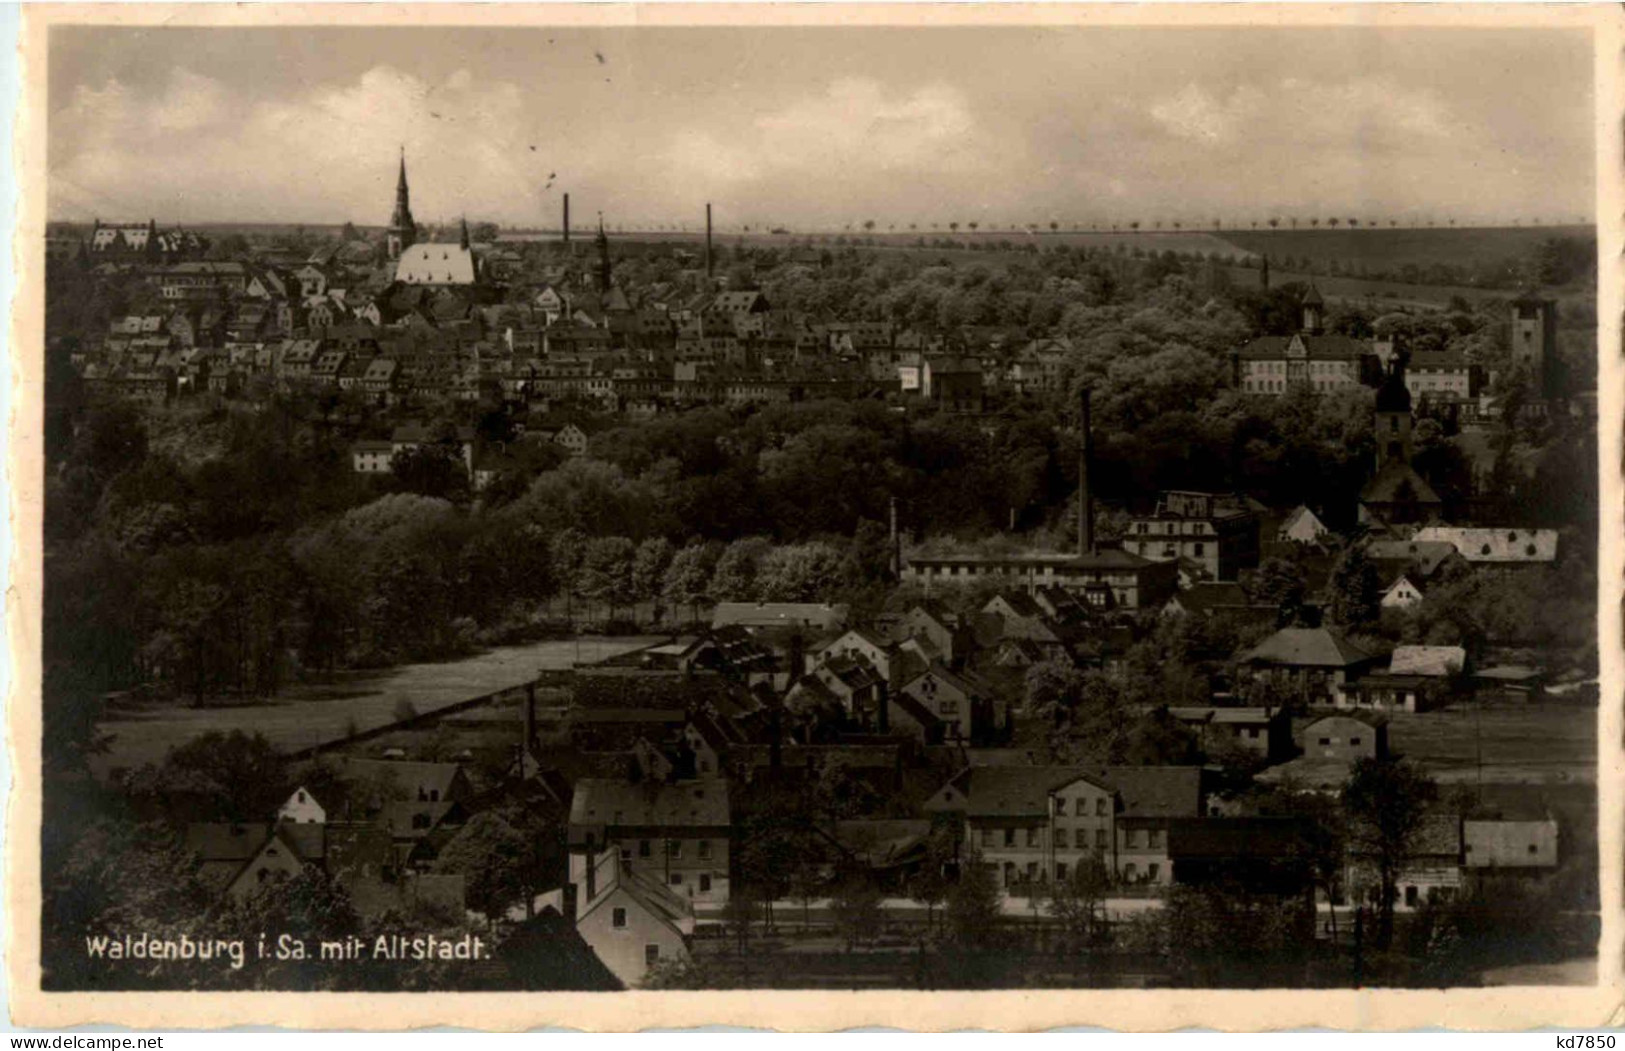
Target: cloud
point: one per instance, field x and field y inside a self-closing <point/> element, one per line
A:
<point x="854" y="134"/>
<point x="1358" y="110"/>
<point x="197" y="146"/>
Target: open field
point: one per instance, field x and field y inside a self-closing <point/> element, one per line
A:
<point x="314" y="713"/>
<point x="1394" y="246"/>
<point x="1530" y="745"/>
<point x="1380" y="293"/>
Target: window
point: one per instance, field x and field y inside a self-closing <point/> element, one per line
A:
<point x="1009" y="837"/>
<point x="705" y="850"/>
<point x="1533" y="849"/>
<point x="1060" y="839"/>
<point x="617" y="918"/>
<point x="705" y="882"/>
<point x="1100" y="807"/>
<point x="1060" y="805"/>
<point x="1152" y="871"/>
<point x="1060" y="871"/>
<point x="1032" y="872"/>
<point x="1354" y="741"/>
<point x="651" y="955"/>
<point x="1100" y="838"/>
<point x="644" y="850"/>
<point x="674" y="848"/>
<point x="987" y="837"/>
<point x="1153" y="837"/>
<point x="1131" y="872"/>
<point x="1198" y="548"/>
<point x="676" y="879"/>
<point x="1326" y="741"/>
<point x="1410" y="897"/>
<point x="1032" y="837"/>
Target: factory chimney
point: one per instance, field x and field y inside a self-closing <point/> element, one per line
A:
<point x="566" y="218"/>
<point x="708" y="240"/>
<point x="1086" y="503"/>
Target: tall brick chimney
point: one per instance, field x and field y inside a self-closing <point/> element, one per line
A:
<point x="708" y="239"/>
<point x="566" y="218"/>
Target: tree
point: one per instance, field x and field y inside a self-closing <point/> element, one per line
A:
<point x="1388" y="801"/>
<point x="1078" y="902"/>
<point x="930" y="885"/>
<point x="973" y="903"/>
<point x="243" y="778"/>
<point x="1281" y="583"/>
<point x="606" y="572"/>
<point x="855" y="907"/>
<point x="734" y="579"/>
<point x="1356" y="590"/>
<point x="687" y="580"/>
<point x="435" y="470"/>
<point x="505" y="856"/>
<point x="649" y="566"/>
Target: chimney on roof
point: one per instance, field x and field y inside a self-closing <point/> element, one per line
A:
<point x="1086" y="504"/>
<point x="566" y="218"/>
<point x="708" y="239"/>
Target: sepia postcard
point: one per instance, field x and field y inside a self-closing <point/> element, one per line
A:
<point x="808" y="516"/>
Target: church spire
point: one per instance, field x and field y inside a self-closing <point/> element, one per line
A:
<point x="402" y="229"/>
<point x="462" y="237"/>
<point x="605" y="269"/>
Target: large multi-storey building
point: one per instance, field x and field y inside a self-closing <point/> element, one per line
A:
<point x="1105" y="577"/>
<point x="674" y="833"/>
<point x="1034" y="824"/>
<point x="1216" y="531"/>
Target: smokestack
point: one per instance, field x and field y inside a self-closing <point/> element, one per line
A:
<point x="708" y="239"/>
<point x="883" y="716"/>
<point x="1086" y="503"/>
<point x="566" y="218"/>
<point x="896" y="547"/>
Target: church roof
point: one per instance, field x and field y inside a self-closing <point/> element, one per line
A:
<point x="436" y="264"/>
<point x="1386" y="487"/>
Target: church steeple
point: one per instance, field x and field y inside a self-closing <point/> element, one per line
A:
<point x="605" y="268"/>
<point x="402" y="229"/>
<point x="462" y="237"/>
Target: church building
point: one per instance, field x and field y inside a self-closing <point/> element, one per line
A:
<point x="1396" y="494"/>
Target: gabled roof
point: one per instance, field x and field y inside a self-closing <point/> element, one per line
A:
<point x="1317" y="348"/>
<point x="655" y="899"/>
<point x="1427" y="660"/>
<point x="1507" y="544"/>
<point x="605" y="801"/>
<point x="224" y="840"/>
<point x="1422" y="555"/>
<point x="408" y="774"/>
<point x="1388" y="486"/>
<point x="1307" y="647"/>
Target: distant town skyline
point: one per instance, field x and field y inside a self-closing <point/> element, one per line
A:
<point x="817" y="128"/>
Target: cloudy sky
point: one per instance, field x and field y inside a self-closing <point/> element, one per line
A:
<point x="821" y="126"/>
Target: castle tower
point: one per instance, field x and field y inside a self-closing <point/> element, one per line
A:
<point x="1314" y="311"/>
<point x="402" y="229"/>
<point x="1393" y="418"/>
<point x="1534" y="338"/>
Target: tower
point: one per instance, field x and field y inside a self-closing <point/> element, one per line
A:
<point x="402" y="230"/>
<point x="605" y="269"/>
<point x="462" y="236"/>
<point x="1393" y="419"/>
<point x="1534" y="338"/>
<point x="1313" y="311"/>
